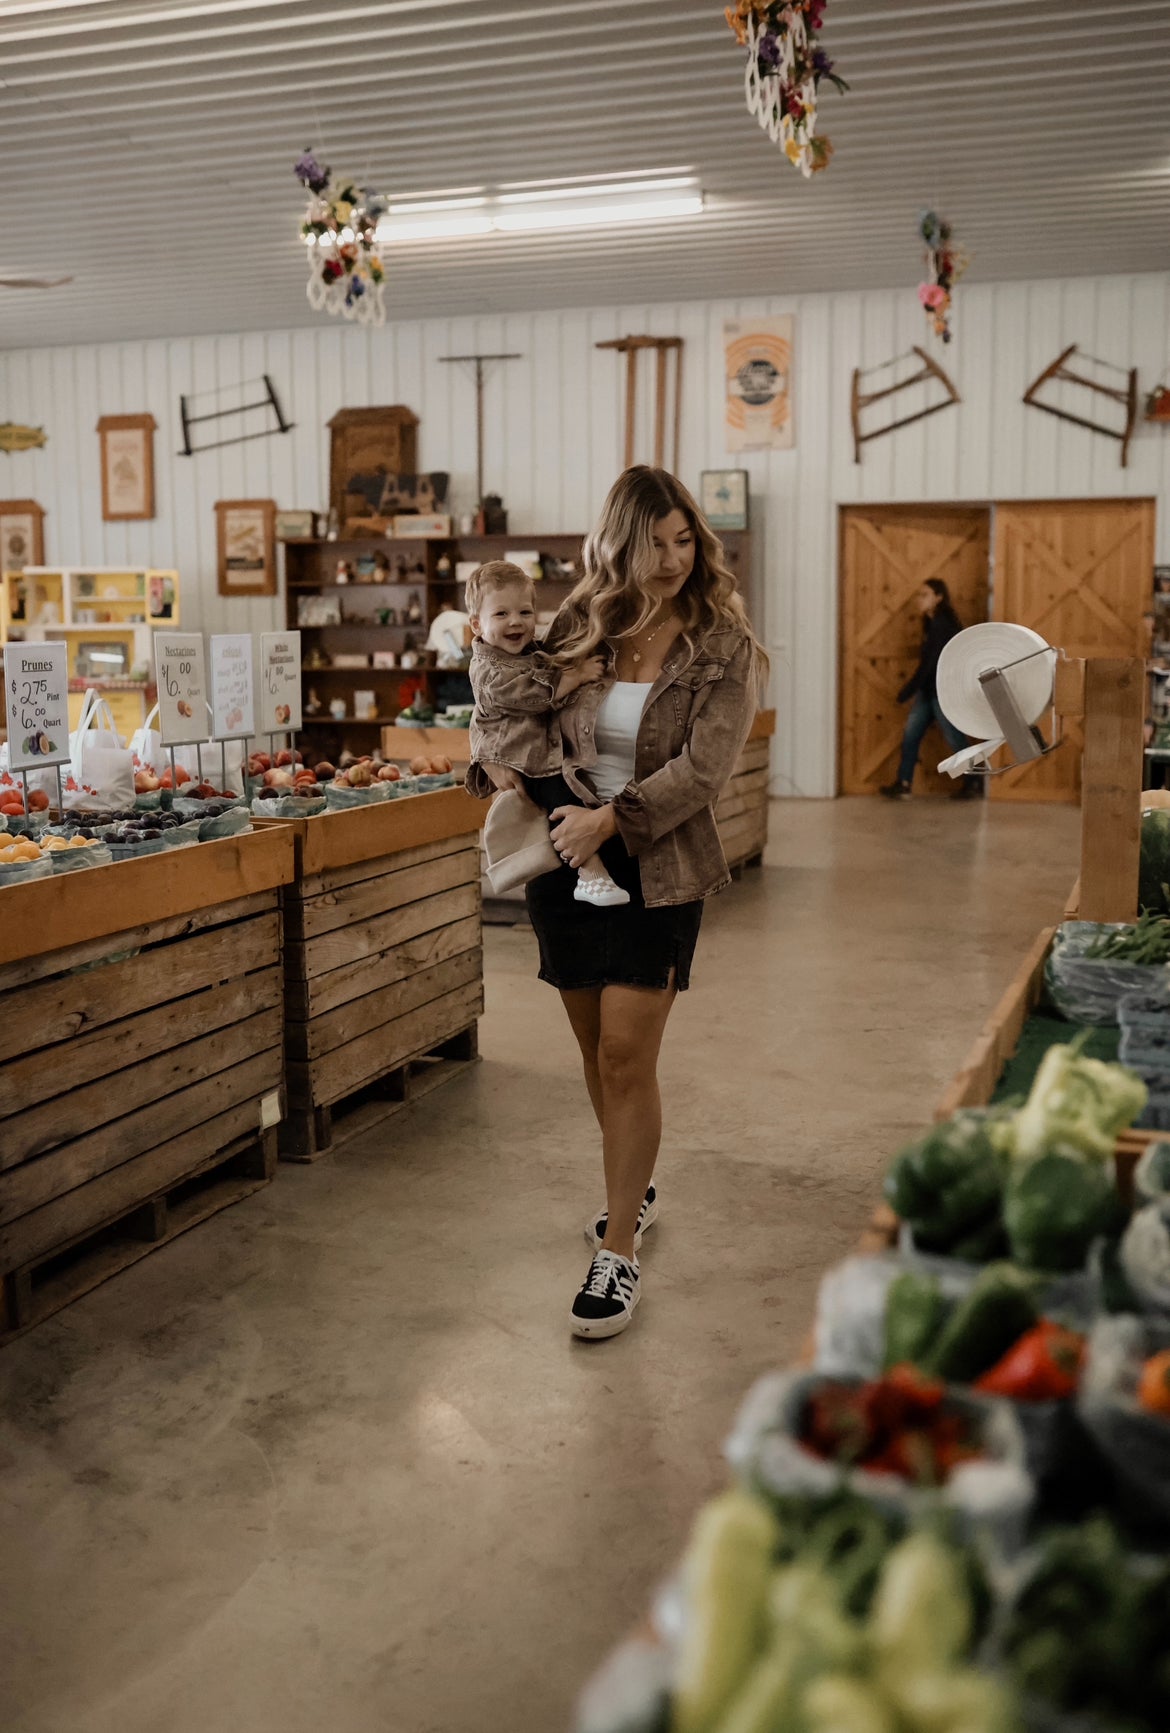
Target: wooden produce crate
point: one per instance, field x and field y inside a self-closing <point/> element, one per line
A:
<point x="400" y="745"/>
<point x="383" y="959"/>
<point x="141" y="1059"/>
<point x="742" y="810"/>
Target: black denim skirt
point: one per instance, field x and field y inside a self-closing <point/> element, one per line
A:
<point x="630" y="946"/>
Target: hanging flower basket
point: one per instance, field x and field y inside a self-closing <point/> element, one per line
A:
<point x="945" y="264"/>
<point x="339" y="229"/>
<point x="785" y="67"/>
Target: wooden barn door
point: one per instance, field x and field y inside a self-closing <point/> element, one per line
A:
<point x="887" y="554"/>
<point x="1079" y="572"/>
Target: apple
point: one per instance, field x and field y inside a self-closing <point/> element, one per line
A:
<point x="441" y="766"/>
<point x="278" y="777"/>
<point x="359" y="776"/>
<point x="325" y="771"/>
<point x="389" y="773"/>
<point x="258" y="763"/>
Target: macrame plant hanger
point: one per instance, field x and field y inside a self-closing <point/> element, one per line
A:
<point x="1127" y="395"/>
<point x="860" y="399"/>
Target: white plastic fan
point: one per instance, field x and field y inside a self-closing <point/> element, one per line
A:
<point x="994" y="681"/>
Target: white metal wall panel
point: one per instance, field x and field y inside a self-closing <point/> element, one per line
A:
<point x="554" y="435"/>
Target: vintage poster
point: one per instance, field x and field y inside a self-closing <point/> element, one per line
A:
<point x="758" y="375"/>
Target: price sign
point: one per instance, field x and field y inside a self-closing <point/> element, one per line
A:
<point x="182" y="687"/>
<point x="233" y="708"/>
<point x="36" y="700"/>
<point x="280" y="683"/>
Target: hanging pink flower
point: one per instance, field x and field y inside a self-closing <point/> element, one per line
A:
<point x="932" y="296"/>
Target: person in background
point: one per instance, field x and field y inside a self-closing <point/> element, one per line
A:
<point x="940" y="624"/>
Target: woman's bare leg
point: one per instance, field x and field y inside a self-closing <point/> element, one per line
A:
<point x="583" y="1005"/>
<point x="632" y="1021"/>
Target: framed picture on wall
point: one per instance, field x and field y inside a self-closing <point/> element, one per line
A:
<point x="723" y="496"/>
<point x="246" y="543"/>
<point x="22" y="534"/>
<point x="127" y="467"/>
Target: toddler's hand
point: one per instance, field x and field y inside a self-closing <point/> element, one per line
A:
<point x="593" y="668"/>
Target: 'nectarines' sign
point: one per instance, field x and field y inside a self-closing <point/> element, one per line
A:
<point x="182" y="688"/>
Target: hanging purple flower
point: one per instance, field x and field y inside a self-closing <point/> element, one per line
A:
<point x="822" y="65"/>
<point x="310" y="173"/>
<point x="768" y="48"/>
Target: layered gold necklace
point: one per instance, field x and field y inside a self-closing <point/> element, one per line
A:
<point x="638" y="654"/>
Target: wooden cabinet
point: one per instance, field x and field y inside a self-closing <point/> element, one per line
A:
<point x="363" y="441"/>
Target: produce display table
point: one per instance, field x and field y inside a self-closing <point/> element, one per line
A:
<point x="742" y="810"/>
<point x="383" y="956"/>
<point x="141" y="1059"/>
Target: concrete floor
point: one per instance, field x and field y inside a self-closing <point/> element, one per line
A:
<point x="332" y="1461"/>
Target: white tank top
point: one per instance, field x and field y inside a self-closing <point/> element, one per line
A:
<point x="616" y="734"/>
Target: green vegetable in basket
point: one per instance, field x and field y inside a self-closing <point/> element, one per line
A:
<point x="835" y="1703"/>
<point x="1154" y="862"/>
<point x="1077" y="1106"/>
<point x="727" y="1574"/>
<point x="1146" y="940"/>
<point x="915" y="1314"/>
<point x="922" y="1619"/>
<point x="1055" y="1207"/>
<point x="995" y="1314"/>
<point x="949" y="1183"/>
<point x="767" y="1698"/>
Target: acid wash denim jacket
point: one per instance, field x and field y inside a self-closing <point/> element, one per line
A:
<point x="517" y="718"/>
<point x="693" y="729"/>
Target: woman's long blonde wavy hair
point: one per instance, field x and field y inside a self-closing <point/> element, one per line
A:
<point x="613" y="599"/>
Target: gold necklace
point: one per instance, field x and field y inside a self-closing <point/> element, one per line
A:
<point x="637" y="654"/>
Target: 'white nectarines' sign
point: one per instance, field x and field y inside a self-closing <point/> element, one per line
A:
<point x="280" y="683"/>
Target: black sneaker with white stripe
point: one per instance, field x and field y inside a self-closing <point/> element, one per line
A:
<point x="605" y="1305"/>
<point x="648" y="1214"/>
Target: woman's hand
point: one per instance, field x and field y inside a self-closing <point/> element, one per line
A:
<point x="505" y="777"/>
<point x="581" y="831"/>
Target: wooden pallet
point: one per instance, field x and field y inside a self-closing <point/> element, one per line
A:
<point x="312" y="1131"/>
<point x="138" y="1055"/>
<point x="40" y="1288"/>
<point x="741" y="813"/>
<point x="383" y="968"/>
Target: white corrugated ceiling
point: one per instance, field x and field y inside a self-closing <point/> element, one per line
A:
<point x="147" y="149"/>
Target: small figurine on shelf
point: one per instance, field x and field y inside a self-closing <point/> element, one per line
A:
<point x="414" y="611"/>
<point x="344" y="572"/>
<point x="312" y="703"/>
<point x="492" y="517"/>
<point x="387" y="616"/>
<point x="381" y="567"/>
<point x="337" y="709"/>
<point x="444" y="570"/>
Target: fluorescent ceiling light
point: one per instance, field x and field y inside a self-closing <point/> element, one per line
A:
<point x="598" y="216"/>
<point x="593" y="204"/>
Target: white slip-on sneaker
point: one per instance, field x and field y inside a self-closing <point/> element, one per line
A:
<point x="609" y="1293"/>
<point x="648" y="1214"/>
<point x="601" y="892"/>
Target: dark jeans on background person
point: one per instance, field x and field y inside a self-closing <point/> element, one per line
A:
<point x="923" y="712"/>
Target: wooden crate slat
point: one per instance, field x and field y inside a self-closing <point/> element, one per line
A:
<point x="134" y="938"/>
<point x="974" y="1084"/>
<point x="390" y="890"/>
<point x="62" y="1092"/>
<point x="305" y="999"/>
<point x="72" y="1008"/>
<point x="105" y="1197"/>
<point x="79" y="906"/>
<point x="341" y="839"/>
<point x="368" y="938"/>
<point x="361" y="1017"/>
<point x="735" y="805"/>
<point x="749" y="782"/>
<point x="756" y="755"/>
<point x="744" y="836"/>
<point x="337" y="877"/>
<point x="234" y="1173"/>
<point x="158" y="1123"/>
<point x="406" y="1037"/>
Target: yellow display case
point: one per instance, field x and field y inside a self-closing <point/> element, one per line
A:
<point x="79" y="598"/>
<point x="30" y="602"/>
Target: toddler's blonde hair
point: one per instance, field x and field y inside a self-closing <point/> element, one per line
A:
<point x="493" y="575"/>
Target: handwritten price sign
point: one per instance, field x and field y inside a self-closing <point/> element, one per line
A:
<point x="182" y="687"/>
<point x="232" y="704"/>
<point x="280" y="683"/>
<point x="36" y="700"/>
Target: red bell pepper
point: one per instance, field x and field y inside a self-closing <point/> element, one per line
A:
<point x="1043" y="1366"/>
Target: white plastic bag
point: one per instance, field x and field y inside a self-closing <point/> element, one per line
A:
<point x="101" y="768"/>
<point x="209" y="756"/>
<point x="146" y="747"/>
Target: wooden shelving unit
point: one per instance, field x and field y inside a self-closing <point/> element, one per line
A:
<point x="310" y="568"/>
